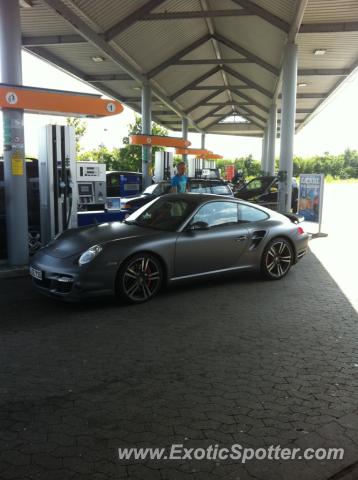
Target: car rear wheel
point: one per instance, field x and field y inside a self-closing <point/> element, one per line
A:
<point x="277" y="259"/>
<point x="140" y="278"/>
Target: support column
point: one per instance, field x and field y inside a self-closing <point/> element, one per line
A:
<point x="184" y="129"/>
<point x="264" y="151"/>
<point x="203" y="140"/>
<point x="272" y="131"/>
<point x="146" y="130"/>
<point x="13" y="130"/>
<point x="289" y="87"/>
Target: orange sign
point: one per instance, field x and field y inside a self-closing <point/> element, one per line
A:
<point x="57" y="102"/>
<point x="192" y="151"/>
<point x="211" y="156"/>
<point x="158" y="141"/>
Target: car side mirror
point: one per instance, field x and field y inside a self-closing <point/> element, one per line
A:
<point x="198" y="226"/>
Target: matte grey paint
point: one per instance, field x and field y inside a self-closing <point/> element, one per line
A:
<point x="183" y="253"/>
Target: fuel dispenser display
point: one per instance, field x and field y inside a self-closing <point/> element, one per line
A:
<point x="92" y="187"/>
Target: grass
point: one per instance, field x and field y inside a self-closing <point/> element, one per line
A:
<point x="330" y="179"/>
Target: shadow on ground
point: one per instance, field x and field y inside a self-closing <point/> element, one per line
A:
<point x="236" y="360"/>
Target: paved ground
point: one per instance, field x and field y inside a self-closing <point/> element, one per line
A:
<point x="231" y="361"/>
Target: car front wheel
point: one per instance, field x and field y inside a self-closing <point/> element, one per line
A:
<point x="277" y="259"/>
<point x="140" y="278"/>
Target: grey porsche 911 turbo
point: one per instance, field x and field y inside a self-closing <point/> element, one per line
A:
<point x="174" y="237"/>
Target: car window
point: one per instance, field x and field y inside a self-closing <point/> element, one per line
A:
<point x="274" y="187"/>
<point x="217" y="213"/>
<point x="220" y="189"/>
<point x="163" y="214"/>
<point x="251" y="214"/>
<point x="199" y="187"/>
<point x="114" y="179"/>
<point x="254" y="184"/>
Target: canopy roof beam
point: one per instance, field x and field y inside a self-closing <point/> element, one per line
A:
<point x="138" y="14"/>
<point x="248" y="55"/>
<point x="247" y="81"/>
<point x="206" y="99"/>
<point x="194" y="83"/>
<point x="306" y="72"/>
<point x="249" y="99"/>
<point x="334" y="27"/>
<point x="74" y="71"/>
<point x="173" y="59"/>
<point x="213" y="61"/>
<point x="196" y="14"/>
<point x="217" y="87"/>
<point x="269" y="17"/>
<point x="232" y="103"/>
<point x="100" y="43"/>
<point x="48" y="40"/>
<point x="210" y="114"/>
<point x="108" y="77"/>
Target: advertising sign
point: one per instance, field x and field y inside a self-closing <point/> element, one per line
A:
<point x="311" y="197"/>
<point x="230" y="172"/>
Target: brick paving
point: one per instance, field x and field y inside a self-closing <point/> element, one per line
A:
<point x="235" y="360"/>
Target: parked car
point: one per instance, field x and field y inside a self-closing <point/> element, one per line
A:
<point x="264" y="191"/>
<point x="217" y="187"/>
<point x="33" y="206"/>
<point x="174" y="237"/>
<point x="123" y="183"/>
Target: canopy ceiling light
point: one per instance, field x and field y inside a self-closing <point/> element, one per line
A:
<point x="320" y="51"/>
<point x="97" y="59"/>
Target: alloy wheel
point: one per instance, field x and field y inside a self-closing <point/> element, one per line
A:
<point x="278" y="259"/>
<point x="142" y="278"/>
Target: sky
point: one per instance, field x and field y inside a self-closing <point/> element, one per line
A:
<point x="333" y="130"/>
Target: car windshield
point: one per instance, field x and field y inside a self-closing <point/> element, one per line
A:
<point x="163" y="213"/>
<point x="256" y="184"/>
<point x="156" y="189"/>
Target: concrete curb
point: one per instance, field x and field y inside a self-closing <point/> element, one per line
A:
<point x="13" y="272"/>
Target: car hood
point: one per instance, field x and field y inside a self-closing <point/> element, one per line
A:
<point x="135" y="198"/>
<point x="78" y="240"/>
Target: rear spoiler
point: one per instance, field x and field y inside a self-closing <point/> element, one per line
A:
<point x="294" y="218"/>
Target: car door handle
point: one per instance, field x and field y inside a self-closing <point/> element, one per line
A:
<point x="241" y="239"/>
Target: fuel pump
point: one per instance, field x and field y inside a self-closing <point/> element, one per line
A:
<point x="164" y="166"/>
<point x="57" y="180"/>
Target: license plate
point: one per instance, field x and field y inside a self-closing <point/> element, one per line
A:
<point x="35" y="273"/>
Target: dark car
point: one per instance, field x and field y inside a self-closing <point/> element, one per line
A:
<point x="264" y="191"/>
<point x="33" y="205"/>
<point x="173" y="238"/>
<point x="217" y="187"/>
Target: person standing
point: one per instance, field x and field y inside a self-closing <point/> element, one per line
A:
<point x="180" y="180"/>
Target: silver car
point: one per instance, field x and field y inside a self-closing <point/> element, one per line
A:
<point x="173" y="238"/>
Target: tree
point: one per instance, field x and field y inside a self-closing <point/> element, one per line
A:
<point x="80" y="129"/>
<point x="128" y="157"/>
<point x="131" y="155"/>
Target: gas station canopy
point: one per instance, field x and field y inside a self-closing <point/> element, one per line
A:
<point x="205" y="60"/>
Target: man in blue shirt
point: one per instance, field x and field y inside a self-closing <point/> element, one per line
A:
<point x="179" y="181"/>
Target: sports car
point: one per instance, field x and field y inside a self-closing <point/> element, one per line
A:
<point x="173" y="238"/>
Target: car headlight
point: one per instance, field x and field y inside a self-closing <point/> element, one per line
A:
<point x="90" y="254"/>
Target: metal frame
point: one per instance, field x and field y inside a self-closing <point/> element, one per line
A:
<point x="194" y="83"/>
<point x="206" y="99"/>
<point x="100" y="43"/>
<point x="247" y="81"/>
<point x="195" y="14"/>
<point x="248" y="55"/>
<point x="174" y="58"/>
<point x="119" y="27"/>
<point x="269" y="17"/>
